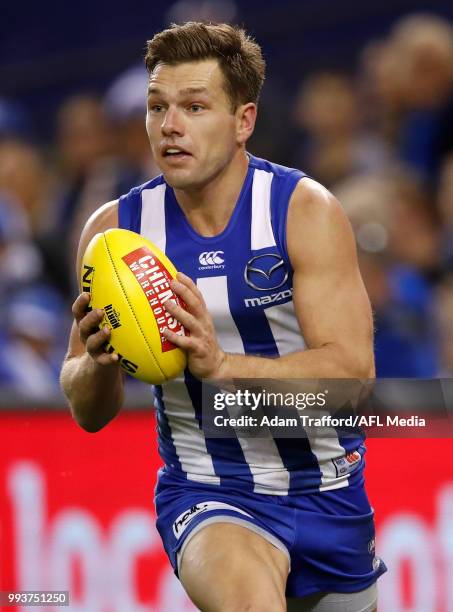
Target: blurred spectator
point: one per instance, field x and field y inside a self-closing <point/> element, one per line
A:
<point x="87" y="176"/>
<point x="380" y="91"/>
<point x="84" y="140"/>
<point x="401" y="294"/>
<point x="28" y="185"/>
<point x="445" y="207"/>
<point x="334" y="145"/>
<point x="125" y="104"/>
<point x="424" y="46"/>
<point x="20" y="260"/>
<point x="414" y="237"/>
<point x="130" y="162"/>
<point x="104" y="152"/>
<point x="30" y="348"/>
<point x="26" y="180"/>
<point x="411" y="74"/>
<point x="444" y="312"/>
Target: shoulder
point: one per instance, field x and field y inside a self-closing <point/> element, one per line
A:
<point x="104" y="218"/>
<point x="316" y="222"/>
<point x="277" y="170"/>
<point x="311" y="201"/>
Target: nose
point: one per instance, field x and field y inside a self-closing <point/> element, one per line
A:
<point x="172" y="123"/>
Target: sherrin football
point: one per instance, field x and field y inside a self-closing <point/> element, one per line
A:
<point x="128" y="277"/>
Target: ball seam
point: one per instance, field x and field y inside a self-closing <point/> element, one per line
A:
<point x="132" y="310"/>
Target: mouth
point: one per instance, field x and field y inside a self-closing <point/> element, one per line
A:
<point x="175" y="153"/>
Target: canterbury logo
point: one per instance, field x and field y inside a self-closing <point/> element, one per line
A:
<point x="211" y="258"/>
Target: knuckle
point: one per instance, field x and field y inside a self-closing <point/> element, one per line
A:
<point x="84" y="327"/>
<point x="95" y="341"/>
<point x="103" y="359"/>
<point x="82" y="333"/>
<point x="90" y="345"/>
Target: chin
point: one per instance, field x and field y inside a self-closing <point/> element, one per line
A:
<point x="178" y="180"/>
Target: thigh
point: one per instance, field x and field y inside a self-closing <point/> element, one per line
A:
<point x="361" y="601"/>
<point x="334" y="548"/>
<point x="229" y="568"/>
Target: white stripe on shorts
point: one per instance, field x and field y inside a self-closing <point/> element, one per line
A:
<point x="237" y="521"/>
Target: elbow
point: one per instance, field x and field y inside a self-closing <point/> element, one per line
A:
<point x="361" y="366"/>
<point x="89" y="426"/>
<point x="355" y="363"/>
<point x="87" y="422"/>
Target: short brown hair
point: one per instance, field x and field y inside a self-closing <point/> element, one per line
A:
<point x="240" y="57"/>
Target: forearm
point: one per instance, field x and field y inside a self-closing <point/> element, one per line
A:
<point x="325" y="362"/>
<point x="95" y="392"/>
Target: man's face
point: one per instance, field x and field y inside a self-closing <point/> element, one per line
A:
<point x="190" y="123"/>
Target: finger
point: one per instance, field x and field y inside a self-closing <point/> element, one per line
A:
<point x="192" y="301"/>
<point x="186" y="318"/>
<point x="96" y="346"/>
<point x="188" y="282"/>
<point x="184" y="342"/>
<point x="81" y="306"/>
<point x="107" y="359"/>
<point x="90" y="324"/>
<point x="96" y="342"/>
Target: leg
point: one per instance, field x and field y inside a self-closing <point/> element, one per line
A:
<point x="361" y="601"/>
<point x="229" y="568"/>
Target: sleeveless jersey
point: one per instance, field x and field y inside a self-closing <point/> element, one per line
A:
<point x="245" y="276"/>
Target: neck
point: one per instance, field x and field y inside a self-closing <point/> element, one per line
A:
<point x="208" y="208"/>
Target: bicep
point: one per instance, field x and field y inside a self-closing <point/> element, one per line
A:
<point x="332" y="307"/>
<point x="330" y="299"/>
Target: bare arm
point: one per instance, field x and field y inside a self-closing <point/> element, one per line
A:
<point x="330" y="301"/>
<point x="91" y="378"/>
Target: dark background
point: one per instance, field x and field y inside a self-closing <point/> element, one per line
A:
<point x="50" y="50"/>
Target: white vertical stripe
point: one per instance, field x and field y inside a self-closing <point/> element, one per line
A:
<point x="215" y="293"/>
<point x="269" y="473"/>
<point x="152" y="224"/>
<point x="324" y="444"/>
<point x="262" y="234"/>
<point x="285" y="328"/>
<point x="188" y="438"/>
<point x="262" y="456"/>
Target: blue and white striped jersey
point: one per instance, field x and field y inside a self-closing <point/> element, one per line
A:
<point x="253" y="314"/>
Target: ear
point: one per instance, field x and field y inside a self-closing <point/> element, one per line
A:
<point x="245" y="121"/>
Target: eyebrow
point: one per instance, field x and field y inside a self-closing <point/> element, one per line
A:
<point x="187" y="91"/>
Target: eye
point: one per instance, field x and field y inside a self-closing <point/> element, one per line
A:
<point x="156" y="108"/>
<point x="195" y="108"/>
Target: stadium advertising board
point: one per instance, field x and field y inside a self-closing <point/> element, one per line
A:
<point x="78" y="515"/>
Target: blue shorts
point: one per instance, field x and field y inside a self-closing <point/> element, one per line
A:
<point x="329" y="537"/>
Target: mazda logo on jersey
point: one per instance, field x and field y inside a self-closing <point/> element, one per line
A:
<point x="266" y="272"/>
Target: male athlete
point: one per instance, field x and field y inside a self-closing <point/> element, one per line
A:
<point x="245" y="523"/>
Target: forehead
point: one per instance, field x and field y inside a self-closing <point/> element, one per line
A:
<point x="188" y="75"/>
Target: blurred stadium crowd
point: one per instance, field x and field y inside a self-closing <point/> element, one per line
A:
<point x="381" y="139"/>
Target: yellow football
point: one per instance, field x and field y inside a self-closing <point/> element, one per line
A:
<point x="128" y="277"/>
